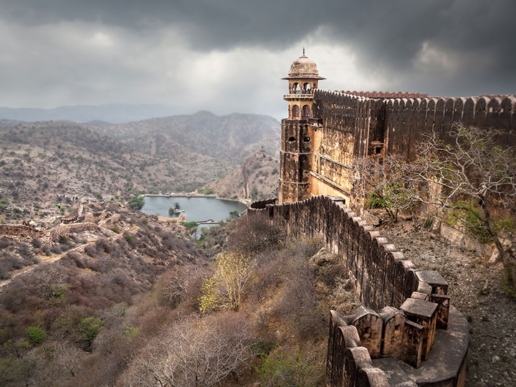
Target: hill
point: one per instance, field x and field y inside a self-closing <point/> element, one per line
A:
<point x="233" y="137"/>
<point x="256" y="179"/>
<point x="113" y="113"/>
<point x="46" y="163"/>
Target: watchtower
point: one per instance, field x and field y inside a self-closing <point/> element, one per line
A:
<point x="303" y="79"/>
<point x="297" y="131"/>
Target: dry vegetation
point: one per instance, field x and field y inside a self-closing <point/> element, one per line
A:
<point x="47" y="163"/>
<point x="78" y="318"/>
<point x="125" y="310"/>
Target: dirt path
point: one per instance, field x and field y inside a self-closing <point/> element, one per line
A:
<point x="476" y="290"/>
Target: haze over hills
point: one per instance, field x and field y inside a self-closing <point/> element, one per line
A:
<point x="233" y="137"/>
<point x="113" y="113"/>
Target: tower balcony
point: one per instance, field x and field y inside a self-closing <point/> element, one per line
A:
<point x="298" y="96"/>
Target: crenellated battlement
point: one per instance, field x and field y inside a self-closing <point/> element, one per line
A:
<point x="345" y="127"/>
<point x="406" y="313"/>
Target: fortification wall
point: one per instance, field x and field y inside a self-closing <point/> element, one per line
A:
<point x="18" y="230"/>
<point x="347" y="127"/>
<point x="409" y="119"/>
<point x="65" y="229"/>
<point x="413" y="303"/>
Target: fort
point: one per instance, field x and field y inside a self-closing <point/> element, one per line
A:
<point x="406" y="333"/>
<point x="325" y="131"/>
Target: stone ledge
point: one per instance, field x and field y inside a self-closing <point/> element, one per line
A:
<point x="446" y="361"/>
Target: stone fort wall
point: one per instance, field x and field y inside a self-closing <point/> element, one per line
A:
<point x="317" y="154"/>
<point x="19" y="230"/>
<point x="406" y="313"/>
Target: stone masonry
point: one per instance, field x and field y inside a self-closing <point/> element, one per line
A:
<point x="406" y="333"/>
<point x="317" y="153"/>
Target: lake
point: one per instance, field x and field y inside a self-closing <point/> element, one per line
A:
<point x="196" y="208"/>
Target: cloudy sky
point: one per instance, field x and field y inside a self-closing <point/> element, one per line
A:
<point x="229" y="55"/>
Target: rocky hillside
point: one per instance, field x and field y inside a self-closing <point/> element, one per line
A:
<point x="256" y="179"/>
<point x="232" y="138"/>
<point x="46" y="163"/>
<point x="74" y="298"/>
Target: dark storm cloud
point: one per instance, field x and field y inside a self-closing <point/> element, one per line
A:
<point x="391" y="28"/>
<point x="443" y="47"/>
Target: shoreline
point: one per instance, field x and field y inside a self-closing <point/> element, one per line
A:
<point x="194" y="195"/>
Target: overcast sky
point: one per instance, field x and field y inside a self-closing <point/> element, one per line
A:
<point x="229" y="55"/>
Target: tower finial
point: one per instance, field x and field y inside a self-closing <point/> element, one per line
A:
<point x="303" y="51"/>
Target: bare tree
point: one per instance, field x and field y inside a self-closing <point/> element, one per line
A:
<point x="384" y="185"/>
<point x="471" y="173"/>
<point x="194" y="352"/>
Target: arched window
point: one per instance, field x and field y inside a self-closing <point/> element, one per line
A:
<point x="295" y="88"/>
<point x="295" y="111"/>
<point x="306" y="112"/>
<point x="306" y="88"/>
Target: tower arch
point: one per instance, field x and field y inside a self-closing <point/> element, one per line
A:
<point x="303" y="79"/>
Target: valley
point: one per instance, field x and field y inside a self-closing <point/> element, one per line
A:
<point x="47" y="166"/>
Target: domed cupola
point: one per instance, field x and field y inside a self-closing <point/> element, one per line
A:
<point x="303" y="67"/>
<point x="303" y="79"/>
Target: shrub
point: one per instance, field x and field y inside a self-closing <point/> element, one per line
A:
<point x="91" y="250"/>
<point x="225" y="288"/>
<point x="189" y="224"/>
<point x="136" y="202"/>
<point x="36" y="335"/>
<point x="36" y="243"/>
<point x="289" y="369"/>
<point x="254" y="235"/>
<point x="89" y="328"/>
<point x="193" y="352"/>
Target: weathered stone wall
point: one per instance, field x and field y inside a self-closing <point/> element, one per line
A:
<point x="401" y="123"/>
<point x="413" y="303"/>
<point x="407" y="119"/>
<point x="17" y="230"/>
<point x="317" y="154"/>
<point x="65" y="229"/>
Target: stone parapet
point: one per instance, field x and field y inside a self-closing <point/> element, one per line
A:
<point x="414" y="309"/>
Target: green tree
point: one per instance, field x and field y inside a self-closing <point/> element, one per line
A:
<point x="136" y="202"/>
<point x="89" y="328"/>
<point x="289" y="369"/>
<point x="36" y="335"/>
<point x="384" y="185"/>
